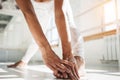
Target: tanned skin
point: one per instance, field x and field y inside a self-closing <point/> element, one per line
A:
<point x="66" y="68"/>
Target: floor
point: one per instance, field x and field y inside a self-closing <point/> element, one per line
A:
<point x="41" y="72"/>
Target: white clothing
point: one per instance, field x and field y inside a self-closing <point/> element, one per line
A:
<point x="45" y="12"/>
<point x="9" y="5"/>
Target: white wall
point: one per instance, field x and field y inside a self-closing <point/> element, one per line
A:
<point x="16" y="37"/>
<point x="94" y="51"/>
<point x="85" y="19"/>
<point x="89" y="19"/>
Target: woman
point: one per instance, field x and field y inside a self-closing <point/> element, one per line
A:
<point x="43" y="10"/>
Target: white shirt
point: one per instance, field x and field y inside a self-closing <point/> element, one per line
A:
<point x="45" y="13"/>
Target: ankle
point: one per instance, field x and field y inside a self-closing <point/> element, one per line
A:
<point x="80" y="61"/>
<point x="21" y="63"/>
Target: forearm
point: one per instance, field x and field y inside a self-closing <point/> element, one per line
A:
<point x="36" y="31"/>
<point x="62" y="29"/>
<point x="66" y="46"/>
<point x="33" y="24"/>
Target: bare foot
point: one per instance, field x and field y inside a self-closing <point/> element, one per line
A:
<point x="17" y="64"/>
<point x="80" y="61"/>
<point x="81" y="65"/>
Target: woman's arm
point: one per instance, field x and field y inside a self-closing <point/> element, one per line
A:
<point x="33" y="23"/>
<point x="62" y="28"/>
<point x="76" y="40"/>
<point x="49" y="57"/>
<point x="64" y="36"/>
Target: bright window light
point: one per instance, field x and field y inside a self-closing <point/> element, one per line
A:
<point x="109" y="12"/>
<point x="118" y="3"/>
<point x="111" y="27"/>
<point x="110" y="15"/>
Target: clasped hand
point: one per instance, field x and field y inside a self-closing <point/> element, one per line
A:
<point x="61" y="68"/>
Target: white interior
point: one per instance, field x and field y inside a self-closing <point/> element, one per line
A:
<point x="16" y="37"/>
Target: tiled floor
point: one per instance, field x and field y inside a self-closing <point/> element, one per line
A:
<point x="41" y="72"/>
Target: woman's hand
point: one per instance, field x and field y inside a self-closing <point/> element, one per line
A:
<point x="53" y="61"/>
<point x="70" y="63"/>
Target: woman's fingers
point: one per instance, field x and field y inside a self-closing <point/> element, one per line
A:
<point x="76" y="70"/>
<point x="57" y="74"/>
<point x="63" y="67"/>
<point x="60" y="75"/>
<point x="71" y="75"/>
<point x="58" y="67"/>
<point x="73" y="68"/>
<point x="55" y="70"/>
<point x="65" y="76"/>
<point x="51" y="67"/>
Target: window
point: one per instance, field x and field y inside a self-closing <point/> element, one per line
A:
<point x="109" y="15"/>
<point x="111" y="27"/>
<point x="109" y="12"/>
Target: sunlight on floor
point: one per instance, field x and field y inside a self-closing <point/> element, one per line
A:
<point x="3" y="71"/>
<point x="42" y="72"/>
<point x="92" y="74"/>
<point x="8" y="76"/>
<point x="95" y="76"/>
<point x="41" y="68"/>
